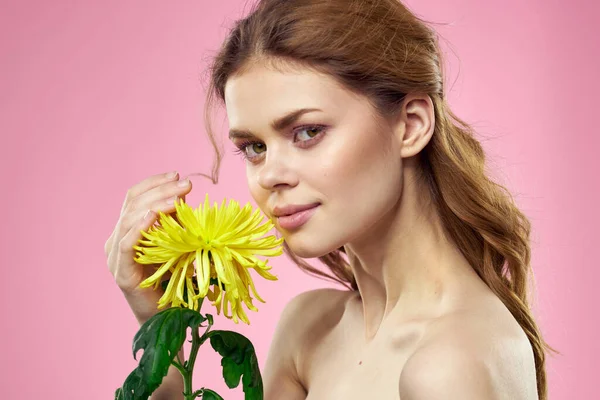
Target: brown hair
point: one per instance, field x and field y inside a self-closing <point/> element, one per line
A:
<point x="380" y="49"/>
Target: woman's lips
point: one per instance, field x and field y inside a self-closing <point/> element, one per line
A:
<point x="297" y="219"/>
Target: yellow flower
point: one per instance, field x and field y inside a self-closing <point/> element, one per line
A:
<point x="224" y="243"/>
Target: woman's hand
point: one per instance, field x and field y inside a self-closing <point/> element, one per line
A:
<point x="152" y="193"/>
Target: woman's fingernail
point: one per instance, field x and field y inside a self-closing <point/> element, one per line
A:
<point x="148" y="214"/>
<point x="171" y="175"/>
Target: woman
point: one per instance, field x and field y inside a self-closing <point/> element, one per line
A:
<point x="338" y="107"/>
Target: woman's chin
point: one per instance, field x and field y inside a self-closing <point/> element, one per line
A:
<point x="304" y="249"/>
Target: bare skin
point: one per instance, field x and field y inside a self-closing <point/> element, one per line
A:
<point x="319" y="350"/>
<point x="422" y="325"/>
<point x="325" y="356"/>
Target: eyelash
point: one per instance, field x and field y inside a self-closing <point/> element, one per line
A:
<point x="242" y="146"/>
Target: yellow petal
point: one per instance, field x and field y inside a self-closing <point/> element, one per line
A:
<point x="254" y="291"/>
<point x="192" y="302"/>
<point x="169" y="295"/>
<point x="202" y="271"/>
<point x="184" y="266"/>
<point x="158" y="274"/>
<point x="221" y="271"/>
<point x="235" y="238"/>
<point x="206" y="269"/>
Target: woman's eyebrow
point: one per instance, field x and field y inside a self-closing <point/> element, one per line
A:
<point x="277" y="125"/>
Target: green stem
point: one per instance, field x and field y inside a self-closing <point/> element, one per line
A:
<point x="187" y="369"/>
<point x="190" y="365"/>
<point x="180" y="367"/>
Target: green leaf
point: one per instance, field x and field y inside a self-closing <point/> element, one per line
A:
<point x="161" y="337"/>
<point x="133" y="388"/>
<point x="239" y="361"/>
<point x="210" y="395"/>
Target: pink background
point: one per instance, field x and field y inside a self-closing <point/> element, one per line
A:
<point x="97" y="96"/>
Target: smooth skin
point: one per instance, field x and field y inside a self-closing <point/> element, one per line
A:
<point x="422" y="326"/>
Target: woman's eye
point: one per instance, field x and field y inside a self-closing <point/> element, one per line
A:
<point x="244" y="148"/>
<point x="311" y="131"/>
<point x="252" y="147"/>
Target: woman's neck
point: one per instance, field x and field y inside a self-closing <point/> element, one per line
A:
<point x="405" y="265"/>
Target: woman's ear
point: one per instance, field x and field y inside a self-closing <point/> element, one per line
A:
<point x="414" y="124"/>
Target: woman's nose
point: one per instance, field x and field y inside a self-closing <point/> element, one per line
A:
<point x="275" y="171"/>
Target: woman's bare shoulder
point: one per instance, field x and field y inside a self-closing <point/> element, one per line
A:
<point x="314" y="309"/>
<point x="324" y="296"/>
<point x="300" y="325"/>
<point x="481" y="353"/>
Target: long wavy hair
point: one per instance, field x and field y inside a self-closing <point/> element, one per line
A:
<point x="381" y="50"/>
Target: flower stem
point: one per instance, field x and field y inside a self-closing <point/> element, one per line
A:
<point x="187" y="370"/>
<point x="190" y="366"/>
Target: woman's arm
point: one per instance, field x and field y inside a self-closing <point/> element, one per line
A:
<point x="280" y="376"/>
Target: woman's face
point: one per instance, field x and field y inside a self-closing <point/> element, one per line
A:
<point x="337" y="155"/>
